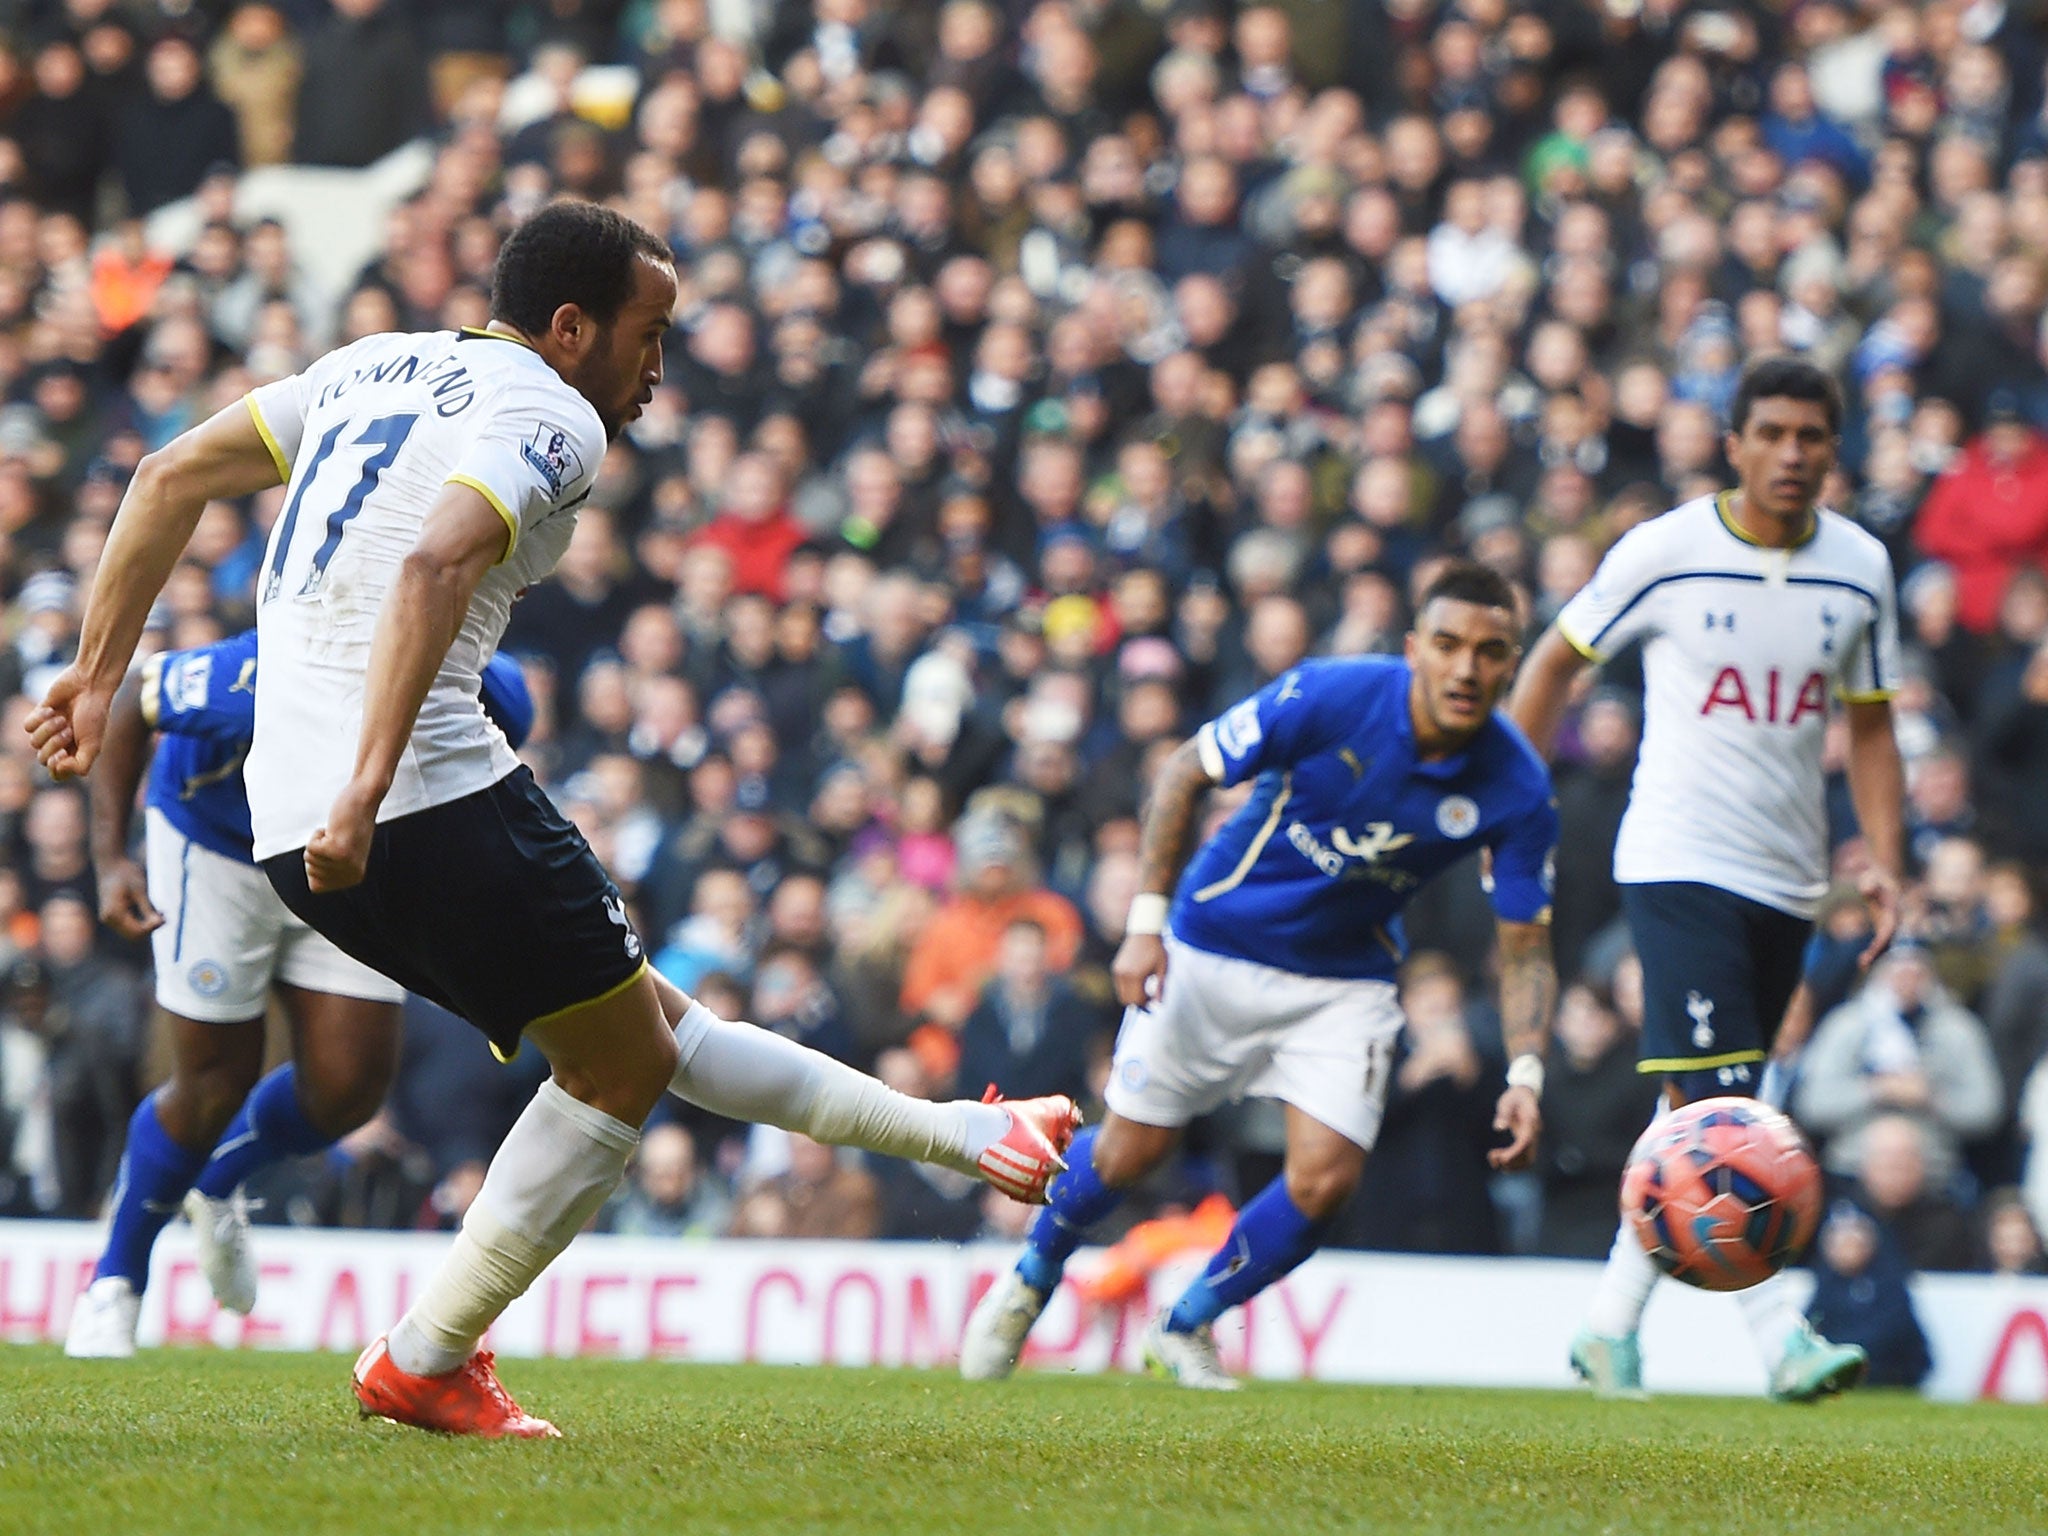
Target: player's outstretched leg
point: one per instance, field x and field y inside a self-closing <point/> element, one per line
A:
<point x="167" y="1140"/>
<point x="561" y="1160"/>
<point x="1088" y="1191"/>
<point x="747" y="1073"/>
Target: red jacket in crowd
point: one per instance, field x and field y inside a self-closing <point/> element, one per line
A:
<point x="1985" y="518"/>
<point x="760" y="550"/>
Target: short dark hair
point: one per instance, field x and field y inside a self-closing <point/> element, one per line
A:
<point x="1788" y="378"/>
<point x="570" y="253"/>
<point x="1467" y="581"/>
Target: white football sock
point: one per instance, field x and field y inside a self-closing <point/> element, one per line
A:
<point x="1773" y="1319"/>
<point x="557" y="1166"/>
<point x="1624" y="1288"/>
<point x="747" y="1073"/>
<point x="1630" y="1276"/>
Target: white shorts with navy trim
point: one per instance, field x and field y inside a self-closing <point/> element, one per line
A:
<point x="226" y="937"/>
<point x="1228" y="1029"/>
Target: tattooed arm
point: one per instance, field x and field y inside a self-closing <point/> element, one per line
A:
<point x="1139" y="969"/>
<point x="1528" y="997"/>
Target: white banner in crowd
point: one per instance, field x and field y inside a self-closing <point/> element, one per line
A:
<point x="1341" y="1317"/>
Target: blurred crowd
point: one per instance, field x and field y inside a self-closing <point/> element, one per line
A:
<point x="1047" y="375"/>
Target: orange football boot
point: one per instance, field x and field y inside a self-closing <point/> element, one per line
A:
<point x="467" y="1401"/>
<point x="1024" y="1161"/>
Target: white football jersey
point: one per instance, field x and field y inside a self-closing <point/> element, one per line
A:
<point x="1744" y="647"/>
<point x="367" y="438"/>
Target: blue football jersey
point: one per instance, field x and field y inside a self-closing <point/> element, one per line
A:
<point x="1345" y="823"/>
<point x="203" y="702"/>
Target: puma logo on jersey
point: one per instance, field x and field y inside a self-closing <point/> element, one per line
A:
<point x="1701" y="1011"/>
<point x="1290" y="688"/>
<point x="1768" y="700"/>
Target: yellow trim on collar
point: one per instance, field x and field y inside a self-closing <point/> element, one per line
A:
<point x="1728" y="521"/>
<point x="478" y="333"/>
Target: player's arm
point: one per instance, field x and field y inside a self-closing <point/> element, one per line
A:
<point x="1528" y="999"/>
<point x="1603" y="617"/>
<point x="1519" y="886"/>
<point x="124" y="755"/>
<point x="1163" y="849"/>
<point x="1544" y="686"/>
<point x="463" y="537"/>
<point x="224" y="457"/>
<point x="1877" y="785"/>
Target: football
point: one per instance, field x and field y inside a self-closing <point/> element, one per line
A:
<point x="1723" y="1193"/>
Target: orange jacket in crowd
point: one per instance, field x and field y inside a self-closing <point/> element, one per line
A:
<point x="956" y="954"/>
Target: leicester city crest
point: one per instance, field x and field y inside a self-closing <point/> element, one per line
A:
<point x="1457" y="816"/>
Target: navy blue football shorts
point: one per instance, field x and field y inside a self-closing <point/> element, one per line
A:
<point x="492" y="906"/>
<point x="1718" y="971"/>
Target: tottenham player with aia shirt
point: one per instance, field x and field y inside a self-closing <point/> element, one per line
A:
<point x="1275" y="976"/>
<point x="1754" y="608"/>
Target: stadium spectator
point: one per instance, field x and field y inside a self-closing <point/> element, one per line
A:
<point x="174" y="132"/>
<point x="1987" y="514"/>
<point x="958" y="949"/>
<point x="1892" y="1184"/>
<point x="255" y="67"/>
<point x="667" y="1193"/>
<point x="1031" y="1031"/>
<point x="1901" y="1049"/>
<point x="93" y="1020"/>
<point x="822" y="1194"/>
<point x="366" y="51"/>
<point x="1860" y="1296"/>
<point x="2012" y="1243"/>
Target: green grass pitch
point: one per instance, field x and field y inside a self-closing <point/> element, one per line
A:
<point x="192" y="1441"/>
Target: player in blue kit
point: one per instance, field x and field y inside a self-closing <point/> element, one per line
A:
<point x="1271" y="971"/>
<point x="221" y="939"/>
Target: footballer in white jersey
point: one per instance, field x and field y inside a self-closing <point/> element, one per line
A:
<point x="1759" y="613"/>
<point x="368" y="436"/>
<point x="430" y="478"/>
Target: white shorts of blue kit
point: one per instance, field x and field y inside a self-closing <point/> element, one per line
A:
<point x="226" y="936"/>
<point x="1228" y="1029"/>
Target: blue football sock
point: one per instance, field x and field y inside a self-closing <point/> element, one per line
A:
<point x="1079" y="1199"/>
<point x="1271" y="1237"/>
<point x="270" y="1126"/>
<point x="155" y="1173"/>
